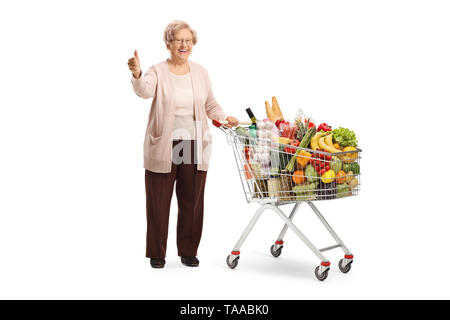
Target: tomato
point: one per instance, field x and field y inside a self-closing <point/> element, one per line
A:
<point x="327" y="168"/>
<point x="322" y="164"/>
<point x="293" y="143"/>
<point x="289" y="150"/>
<point x="322" y="171"/>
<point x="328" y="157"/>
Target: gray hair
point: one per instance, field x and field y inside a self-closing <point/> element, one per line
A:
<point x="174" y="27"/>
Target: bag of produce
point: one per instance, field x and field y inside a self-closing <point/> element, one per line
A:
<point x="243" y="135"/>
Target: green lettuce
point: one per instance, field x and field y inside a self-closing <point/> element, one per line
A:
<point x="345" y="137"/>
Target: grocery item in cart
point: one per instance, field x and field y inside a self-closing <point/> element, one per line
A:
<point x="336" y="164"/>
<point x="324" y="127"/>
<point x="243" y="135"/>
<point x="304" y="192"/>
<point x="311" y="174"/>
<point x="252" y="127"/>
<point x="345" y="137"/>
<point x="286" y="186"/>
<point x="260" y="189"/>
<point x="255" y="168"/>
<point x="263" y="143"/>
<point x="299" y="177"/>
<point x="303" y="122"/>
<point x="326" y="190"/>
<point x="303" y="158"/>
<point x="274" y="112"/>
<point x="303" y="144"/>
<point x="273" y="186"/>
<point x="342" y="190"/>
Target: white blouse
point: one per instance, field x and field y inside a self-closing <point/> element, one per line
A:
<point x="184" y="127"/>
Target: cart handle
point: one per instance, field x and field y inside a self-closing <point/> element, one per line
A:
<point x="220" y="123"/>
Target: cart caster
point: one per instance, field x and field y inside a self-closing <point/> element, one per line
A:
<point x="346" y="264"/>
<point x="321" y="271"/>
<point x="232" y="261"/>
<point x="275" y="250"/>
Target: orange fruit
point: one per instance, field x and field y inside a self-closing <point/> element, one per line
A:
<point x="303" y="158"/>
<point x="340" y="177"/>
<point x="298" y="177"/>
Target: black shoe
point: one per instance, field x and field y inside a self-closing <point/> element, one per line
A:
<point x="157" y="263"/>
<point x="190" y="261"/>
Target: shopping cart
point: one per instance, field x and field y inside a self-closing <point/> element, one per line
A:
<point x="261" y="163"/>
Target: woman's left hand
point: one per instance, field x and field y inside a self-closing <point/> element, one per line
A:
<point x="232" y="122"/>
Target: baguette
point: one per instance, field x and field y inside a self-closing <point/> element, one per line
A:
<point x="276" y="109"/>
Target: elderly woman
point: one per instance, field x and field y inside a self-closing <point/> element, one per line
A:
<point x="177" y="142"/>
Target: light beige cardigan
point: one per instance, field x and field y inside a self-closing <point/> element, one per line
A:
<point x="156" y="83"/>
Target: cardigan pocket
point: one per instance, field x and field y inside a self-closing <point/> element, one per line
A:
<point x="152" y="148"/>
<point x="153" y="140"/>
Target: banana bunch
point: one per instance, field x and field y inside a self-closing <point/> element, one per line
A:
<point x="323" y="141"/>
<point x="315" y="140"/>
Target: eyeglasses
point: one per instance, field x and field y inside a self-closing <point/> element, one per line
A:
<point x="180" y="41"/>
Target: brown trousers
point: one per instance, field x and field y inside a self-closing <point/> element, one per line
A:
<point x="190" y="186"/>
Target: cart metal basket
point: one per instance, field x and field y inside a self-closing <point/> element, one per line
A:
<point x="274" y="174"/>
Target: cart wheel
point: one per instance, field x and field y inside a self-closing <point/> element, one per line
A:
<point x="346" y="268"/>
<point x="276" y="253"/>
<point x="321" y="277"/>
<point x="232" y="264"/>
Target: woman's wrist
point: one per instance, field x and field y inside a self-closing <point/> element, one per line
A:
<point x="137" y="77"/>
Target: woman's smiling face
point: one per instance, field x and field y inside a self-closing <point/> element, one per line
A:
<point x="181" y="46"/>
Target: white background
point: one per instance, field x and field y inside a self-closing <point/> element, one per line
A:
<point x="72" y="202"/>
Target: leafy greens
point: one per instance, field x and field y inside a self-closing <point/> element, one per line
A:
<point x="345" y="137"/>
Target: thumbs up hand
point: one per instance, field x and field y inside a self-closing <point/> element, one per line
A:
<point x="135" y="65"/>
